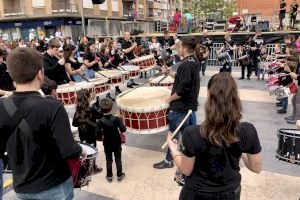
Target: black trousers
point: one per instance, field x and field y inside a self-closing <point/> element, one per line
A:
<point x="254" y="64"/>
<point x="249" y="70"/>
<point x="187" y="194"/>
<point x="293" y="18"/>
<point x="117" y="151"/>
<point x="281" y="17"/>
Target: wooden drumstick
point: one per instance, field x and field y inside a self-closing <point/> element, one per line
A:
<point x="178" y="128"/>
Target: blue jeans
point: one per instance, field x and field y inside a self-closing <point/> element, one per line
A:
<point x="175" y="119"/>
<point x="89" y="75"/>
<point x="285" y="102"/>
<point x="64" y="191"/>
<point x="1" y="179"/>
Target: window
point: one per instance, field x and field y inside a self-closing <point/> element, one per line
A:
<point x="103" y="6"/>
<point x="38" y="3"/>
<point x="115" y="5"/>
<point x="87" y="4"/>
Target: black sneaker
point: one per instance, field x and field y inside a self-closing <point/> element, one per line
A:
<point x="242" y="78"/>
<point x="281" y="111"/>
<point x="248" y="79"/>
<point x="129" y="86"/>
<point x="109" y="178"/>
<point x="163" y="165"/>
<point x="289" y="117"/>
<point x="120" y="178"/>
<point x="291" y="121"/>
<point x="135" y="84"/>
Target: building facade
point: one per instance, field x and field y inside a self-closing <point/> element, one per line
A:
<point x="264" y="10"/>
<point x="20" y="17"/>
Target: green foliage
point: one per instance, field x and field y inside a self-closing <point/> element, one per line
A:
<point x="199" y="8"/>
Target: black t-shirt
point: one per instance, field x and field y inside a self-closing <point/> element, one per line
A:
<point x="6" y="82"/>
<point x="55" y="71"/>
<point x="126" y="45"/>
<point x="75" y="65"/>
<point x="38" y="160"/>
<point x="83" y="47"/>
<point x="217" y="168"/>
<point x="205" y="41"/>
<point x="187" y="86"/>
<point x="282" y="5"/>
<point x="91" y="57"/>
<point x="257" y="42"/>
<point x="118" y="58"/>
<point x="294" y="8"/>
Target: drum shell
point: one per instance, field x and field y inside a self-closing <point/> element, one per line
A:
<point x="145" y="62"/>
<point x="101" y="86"/>
<point x="288" y="145"/>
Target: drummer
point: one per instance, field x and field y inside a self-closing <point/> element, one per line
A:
<point x="244" y="50"/>
<point x="184" y="94"/>
<point x="90" y="58"/>
<point x="128" y="46"/>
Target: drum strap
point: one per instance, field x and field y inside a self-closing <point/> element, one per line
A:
<point x="19" y="114"/>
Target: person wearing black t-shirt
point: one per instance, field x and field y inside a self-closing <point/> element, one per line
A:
<point x="6" y="83"/>
<point x="128" y="47"/>
<point x="39" y="146"/>
<point x="184" y="95"/>
<point x="243" y="51"/>
<point x="90" y="58"/>
<point x="210" y="154"/>
<point x="84" y="45"/>
<point x="207" y="41"/>
<point x="167" y="42"/>
<point x="282" y="12"/>
<point x="256" y="45"/>
<point x="54" y="65"/>
<point x="293" y="13"/>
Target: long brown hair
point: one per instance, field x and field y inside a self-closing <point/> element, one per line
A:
<point x="83" y="103"/>
<point x="222" y="111"/>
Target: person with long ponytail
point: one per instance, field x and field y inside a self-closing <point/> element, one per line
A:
<point x="211" y="152"/>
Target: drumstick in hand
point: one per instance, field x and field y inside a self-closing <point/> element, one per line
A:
<point x="179" y="127"/>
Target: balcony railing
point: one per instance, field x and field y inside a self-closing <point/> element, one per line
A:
<point x="13" y="11"/>
<point x="64" y="8"/>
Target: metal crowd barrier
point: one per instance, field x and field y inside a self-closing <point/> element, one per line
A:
<point x="213" y="57"/>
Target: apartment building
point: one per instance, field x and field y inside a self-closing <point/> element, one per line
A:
<point x="19" y="17"/>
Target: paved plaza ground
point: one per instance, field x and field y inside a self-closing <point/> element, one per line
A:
<point x="278" y="181"/>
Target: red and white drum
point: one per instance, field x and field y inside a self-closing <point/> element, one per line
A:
<point x="134" y="71"/>
<point x="162" y="81"/>
<point x="115" y="77"/>
<point x="143" y="110"/>
<point x="67" y="92"/>
<point x="145" y="63"/>
<point x="101" y="86"/>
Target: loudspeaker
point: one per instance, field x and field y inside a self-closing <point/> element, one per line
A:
<point x="98" y="1"/>
<point x="253" y="19"/>
<point x="263" y="25"/>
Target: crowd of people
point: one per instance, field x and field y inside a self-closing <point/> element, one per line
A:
<point x="36" y="130"/>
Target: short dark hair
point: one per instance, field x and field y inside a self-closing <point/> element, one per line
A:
<point x="190" y="43"/>
<point x="48" y="86"/>
<point x="54" y="43"/>
<point x="106" y="105"/>
<point x="289" y="37"/>
<point x="23" y="64"/>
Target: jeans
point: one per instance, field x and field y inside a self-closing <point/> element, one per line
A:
<point x="175" y="119"/>
<point x="89" y="74"/>
<point x="64" y="191"/>
<point x="187" y="194"/>
<point x="204" y="66"/>
<point x="285" y="102"/>
<point x="1" y="178"/>
<point x="108" y="150"/>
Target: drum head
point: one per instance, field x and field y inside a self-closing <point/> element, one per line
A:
<point x="89" y="149"/>
<point x="169" y="79"/>
<point x="129" y="68"/>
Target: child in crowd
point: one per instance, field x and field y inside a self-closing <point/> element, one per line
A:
<point x="49" y="87"/>
<point x="85" y="118"/>
<point x="111" y="127"/>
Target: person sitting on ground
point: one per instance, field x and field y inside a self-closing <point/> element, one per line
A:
<point x="211" y="152"/>
<point x="110" y="127"/>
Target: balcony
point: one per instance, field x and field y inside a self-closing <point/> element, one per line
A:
<point x="13" y="11"/>
<point x="63" y="7"/>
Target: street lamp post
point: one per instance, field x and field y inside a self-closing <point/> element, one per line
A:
<point x="82" y="18"/>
